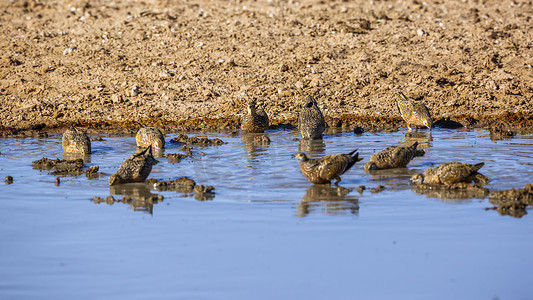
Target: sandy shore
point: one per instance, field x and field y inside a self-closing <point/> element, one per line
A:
<point x="188" y="64"/>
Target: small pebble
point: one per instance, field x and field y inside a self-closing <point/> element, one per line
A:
<point x="134" y="91"/>
<point x="9" y="179"/>
<point x="361" y="188"/>
<point x="378" y="189"/>
<point x="116" y="98"/>
<point x="109" y="200"/>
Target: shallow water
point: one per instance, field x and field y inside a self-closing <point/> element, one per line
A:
<point x="267" y="233"/>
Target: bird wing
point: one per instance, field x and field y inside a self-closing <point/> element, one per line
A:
<point x="384" y="159"/>
<point x="402" y="156"/>
<point x="455" y="172"/>
<point x="333" y="165"/>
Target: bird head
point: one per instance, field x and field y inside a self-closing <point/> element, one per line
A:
<point x="251" y="107"/>
<point x="300" y="157"/>
<point x="417" y="178"/>
<point x="114" y="179"/>
<point x="399" y="96"/>
<point x="159" y="144"/>
<point x="428" y="123"/>
<point x="371" y="166"/>
<point x="310" y="101"/>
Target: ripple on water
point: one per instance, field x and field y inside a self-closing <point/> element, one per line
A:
<point x="266" y="221"/>
<point x="247" y="168"/>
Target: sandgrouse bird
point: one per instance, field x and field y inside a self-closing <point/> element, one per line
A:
<point x="150" y="136"/>
<point x="413" y="112"/>
<point x="392" y="157"/>
<point x="136" y="168"/>
<point x="76" y="141"/>
<point x="450" y="173"/>
<point x="311" y="122"/>
<point x="326" y="168"/>
<point x="255" y="120"/>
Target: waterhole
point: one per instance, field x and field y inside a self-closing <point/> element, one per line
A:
<point x="265" y="232"/>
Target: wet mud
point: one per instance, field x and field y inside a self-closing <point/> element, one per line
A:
<point x="184" y="185"/>
<point x="513" y="202"/>
<point x="58" y="166"/>
<point x="176" y="157"/>
<point x="66" y="167"/>
<point x="199" y="141"/>
<point x="457" y="191"/>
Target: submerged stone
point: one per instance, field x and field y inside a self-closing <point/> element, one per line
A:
<point x="60" y="166"/>
<point x="513" y="202"/>
<point x="182" y="185"/>
<point x="203" y="193"/>
<point x="201" y="141"/>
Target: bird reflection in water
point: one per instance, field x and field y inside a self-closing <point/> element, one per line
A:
<point x="73" y="156"/>
<point x="452" y="195"/>
<point x="310" y="146"/>
<point x="394" y="179"/>
<point x="331" y="200"/>
<point x="137" y="195"/>
<point x="255" y="143"/>
<point x="424" y="140"/>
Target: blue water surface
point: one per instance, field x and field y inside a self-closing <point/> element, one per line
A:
<point x="268" y="233"/>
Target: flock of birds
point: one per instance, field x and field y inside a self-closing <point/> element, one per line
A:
<point x="311" y="125"/>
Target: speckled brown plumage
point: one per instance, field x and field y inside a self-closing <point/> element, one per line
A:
<point x="392" y="157"/>
<point x="324" y="169"/>
<point x="136" y="168"/>
<point x="450" y="173"/>
<point x="255" y="120"/>
<point x="413" y="112"/>
<point x="311" y="122"/>
<point x="76" y="141"/>
<point x="150" y="136"/>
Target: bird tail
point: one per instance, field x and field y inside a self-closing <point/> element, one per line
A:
<point x="351" y="153"/>
<point x="355" y="158"/>
<point x="478" y="166"/>
<point x="147" y="152"/>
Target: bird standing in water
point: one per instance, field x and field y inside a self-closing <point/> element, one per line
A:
<point x="150" y="136"/>
<point x="326" y="168"/>
<point x="392" y="157"/>
<point x="311" y="122"/>
<point x="413" y="112"/>
<point x="136" y="168"/>
<point x="76" y="141"/>
<point x="450" y="173"/>
<point x="255" y="120"/>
